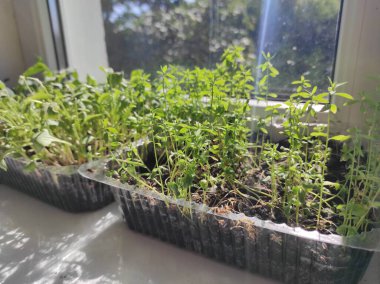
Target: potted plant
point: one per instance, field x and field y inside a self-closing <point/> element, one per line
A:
<point x="293" y="210"/>
<point x="52" y="126"/>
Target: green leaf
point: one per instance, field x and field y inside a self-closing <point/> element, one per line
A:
<point x="306" y="105"/>
<point x="296" y="82"/>
<point x="134" y="163"/>
<point x="274" y="71"/>
<point x="345" y="95"/>
<point x="225" y="105"/>
<point x="263" y="80"/>
<point x="44" y="138"/>
<point x="183" y="130"/>
<point x="103" y="97"/>
<point x="333" y="108"/>
<point x="358" y="210"/>
<point x="375" y="204"/>
<point x="303" y="95"/>
<point x="273" y="107"/>
<point x="213" y="132"/>
<point x="31" y="166"/>
<point x="91" y="116"/>
<point x="39" y="96"/>
<point x="114" y="144"/>
<point x="220" y="82"/>
<point x="112" y="130"/>
<point x="272" y="95"/>
<point x="37" y="68"/>
<point x="329" y="183"/>
<point x="115" y="78"/>
<point x="341" y="207"/>
<point x="321" y="98"/>
<point x="340" y="137"/>
<point x="318" y="134"/>
<point x="346" y="230"/>
<point x="314" y="90"/>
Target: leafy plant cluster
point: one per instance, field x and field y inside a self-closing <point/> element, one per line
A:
<point x="61" y="120"/>
<point x="200" y="147"/>
<point x="198" y="137"/>
<point x="199" y="144"/>
<point x="362" y="181"/>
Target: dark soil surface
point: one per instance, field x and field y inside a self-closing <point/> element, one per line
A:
<point x="235" y="198"/>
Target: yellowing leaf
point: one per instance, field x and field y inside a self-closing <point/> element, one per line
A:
<point x="340" y="137"/>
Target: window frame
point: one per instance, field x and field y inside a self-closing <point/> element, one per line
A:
<point x="355" y="50"/>
<point x="35" y="34"/>
<point x="55" y="21"/>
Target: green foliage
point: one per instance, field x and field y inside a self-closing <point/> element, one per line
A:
<point x="300" y="168"/>
<point x="198" y="142"/>
<point x="61" y="120"/>
<point x="198" y="149"/>
<point x="199" y="135"/>
<point x="362" y="187"/>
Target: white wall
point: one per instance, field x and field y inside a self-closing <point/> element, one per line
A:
<point x="84" y="36"/>
<point x="11" y="57"/>
<point x="359" y="52"/>
<point x="35" y="32"/>
<point x="25" y="35"/>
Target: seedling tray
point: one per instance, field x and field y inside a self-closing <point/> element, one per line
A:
<point x="62" y="187"/>
<point x="291" y="255"/>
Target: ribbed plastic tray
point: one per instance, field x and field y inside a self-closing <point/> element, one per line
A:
<point x="262" y="247"/>
<point x="62" y="187"/>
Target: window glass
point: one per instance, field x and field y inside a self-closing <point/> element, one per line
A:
<point x="300" y="34"/>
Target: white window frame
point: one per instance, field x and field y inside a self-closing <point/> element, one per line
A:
<point x="84" y="35"/>
<point x="358" y="56"/>
<point x="35" y="34"/>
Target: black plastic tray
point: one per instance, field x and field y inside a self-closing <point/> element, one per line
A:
<point x="291" y="255"/>
<point x="62" y="187"/>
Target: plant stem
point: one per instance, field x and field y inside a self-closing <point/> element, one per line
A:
<point x="323" y="169"/>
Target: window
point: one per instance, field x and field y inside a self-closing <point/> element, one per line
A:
<point x="300" y="34"/>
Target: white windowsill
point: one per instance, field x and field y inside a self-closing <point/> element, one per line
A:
<point x="42" y="244"/>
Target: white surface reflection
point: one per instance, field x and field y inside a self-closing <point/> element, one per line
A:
<point x="41" y="244"/>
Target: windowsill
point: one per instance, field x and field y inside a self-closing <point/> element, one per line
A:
<point x="41" y="244"/>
